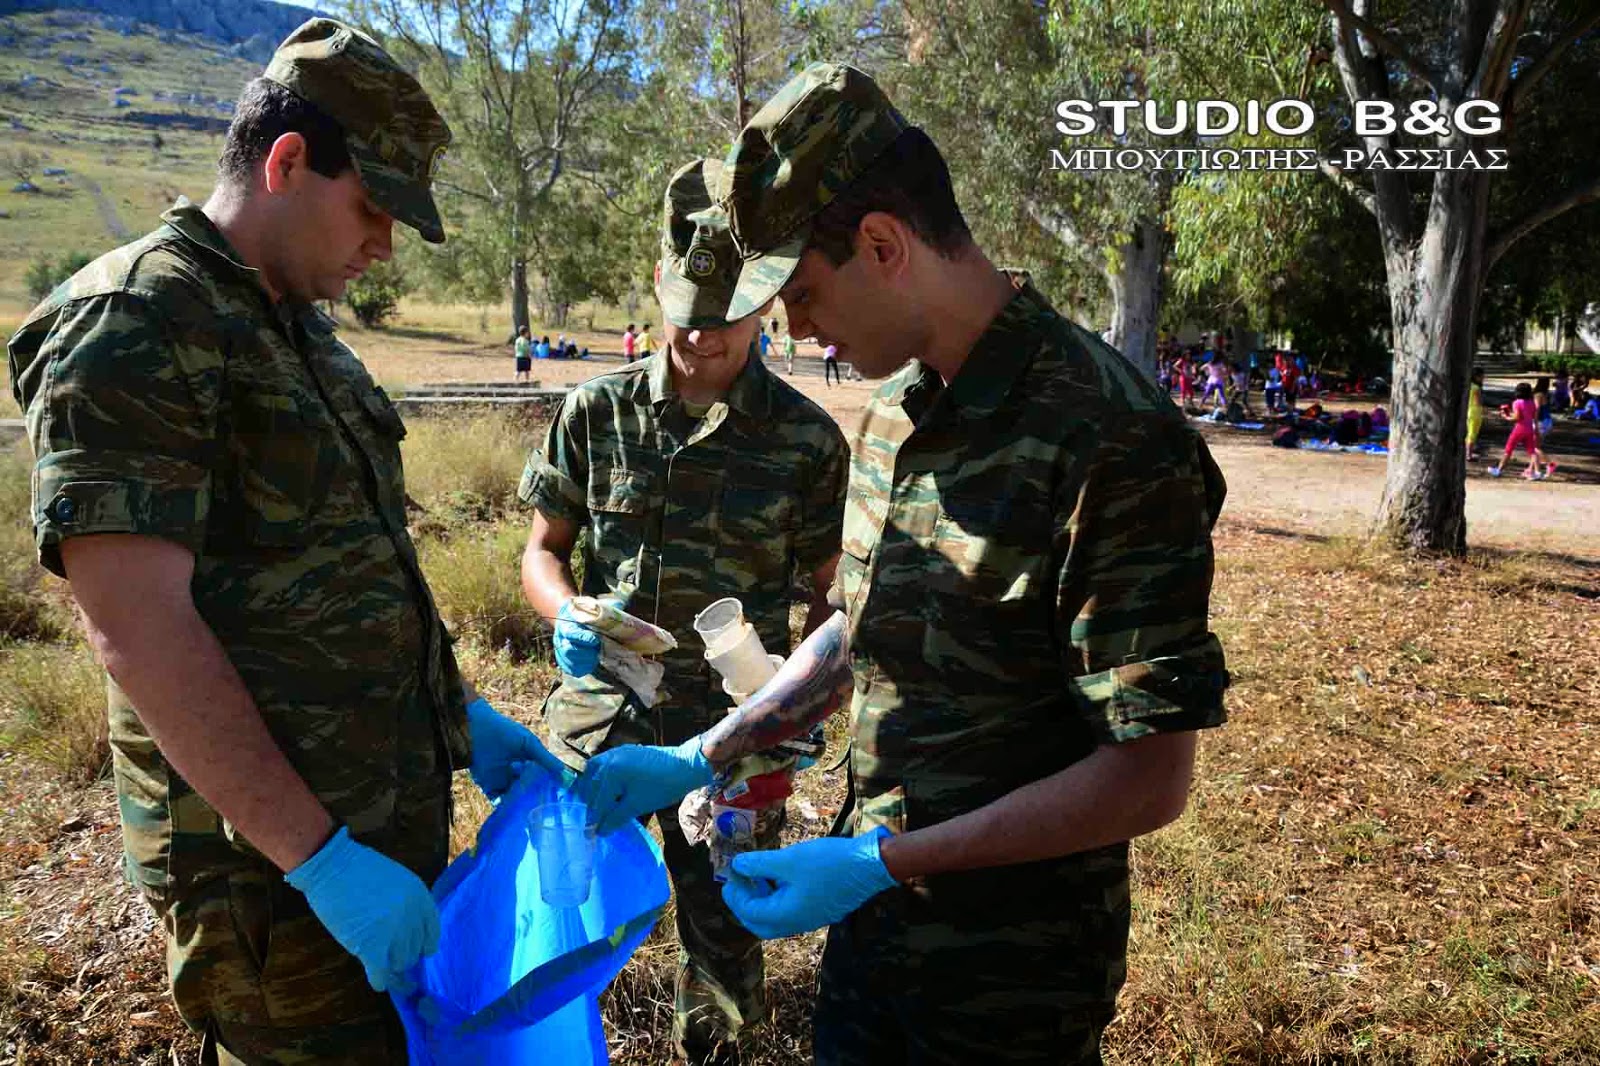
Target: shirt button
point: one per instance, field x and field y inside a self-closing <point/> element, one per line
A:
<point x="66" y="510"/>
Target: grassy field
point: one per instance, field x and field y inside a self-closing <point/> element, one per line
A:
<point x="58" y="77"/>
<point x="1390" y="856"/>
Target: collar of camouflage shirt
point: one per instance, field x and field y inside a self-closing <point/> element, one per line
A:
<point x="750" y="394"/>
<point x="992" y="367"/>
<point x="194" y="226"/>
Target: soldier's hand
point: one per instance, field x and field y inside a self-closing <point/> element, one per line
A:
<point x="635" y="780"/>
<point x="376" y="909"/>
<point x="577" y="646"/>
<point x="807" y="885"/>
<point x="500" y="748"/>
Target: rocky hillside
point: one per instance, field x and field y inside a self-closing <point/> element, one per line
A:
<point x="248" y="28"/>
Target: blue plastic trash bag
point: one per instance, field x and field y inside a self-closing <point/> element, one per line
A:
<point x="516" y="980"/>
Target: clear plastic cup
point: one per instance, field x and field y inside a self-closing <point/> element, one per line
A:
<point x="564" y="841"/>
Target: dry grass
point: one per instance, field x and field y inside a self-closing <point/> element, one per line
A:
<point x="1391" y="853"/>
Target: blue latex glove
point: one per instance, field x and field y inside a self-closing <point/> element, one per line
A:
<point x="376" y="909"/>
<point x="577" y="646"/>
<point x="501" y="748"/>
<point x="807" y="885"/>
<point x="634" y="780"/>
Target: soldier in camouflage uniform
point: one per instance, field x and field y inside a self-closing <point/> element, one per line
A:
<point x="219" y="479"/>
<point x="696" y="474"/>
<point x="1023" y="588"/>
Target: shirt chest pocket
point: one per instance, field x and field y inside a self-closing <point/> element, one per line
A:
<point x="622" y="511"/>
<point x="289" y="470"/>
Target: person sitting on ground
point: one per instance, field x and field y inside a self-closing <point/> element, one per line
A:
<point x="542" y="349"/>
<point x="1561" y="394"/>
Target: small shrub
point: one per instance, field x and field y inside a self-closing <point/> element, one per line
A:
<point x="45" y="273"/>
<point x="375" y="294"/>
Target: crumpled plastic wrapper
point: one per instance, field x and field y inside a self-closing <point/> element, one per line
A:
<point x="641" y="675"/>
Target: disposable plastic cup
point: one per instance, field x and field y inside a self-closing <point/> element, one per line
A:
<point x="740" y="695"/>
<point x="744" y="663"/>
<point x="721" y="619"/>
<point x="564" y="842"/>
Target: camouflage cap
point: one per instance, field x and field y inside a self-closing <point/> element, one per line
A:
<point x="817" y="135"/>
<point x="704" y="282"/>
<point x="393" y="132"/>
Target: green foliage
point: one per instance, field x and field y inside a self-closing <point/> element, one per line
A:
<point x="374" y="296"/>
<point x="45" y="273"/>
<point x="1549" y="363"/>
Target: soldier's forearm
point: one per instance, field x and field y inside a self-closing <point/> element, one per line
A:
<point x="135" y="594"/>
<point x="546" y="580"/>
<point x="808" y="688"/>
<point x="1119" y="792"/>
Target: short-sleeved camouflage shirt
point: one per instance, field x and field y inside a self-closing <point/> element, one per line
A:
<point x="167" y="396"/>
<point x="679" y="512"/>
<point x="1026" y="569"/>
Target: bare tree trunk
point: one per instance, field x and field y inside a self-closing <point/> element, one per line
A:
<point x="1137" y="290"/>
<point x="519" y="295"/>
<point x="1434" y="293"/>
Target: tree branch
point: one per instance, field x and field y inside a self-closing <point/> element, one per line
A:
<point x="1500" y="243"/>
<point x="1500" y="45"/>
<point x="1524" y="85"/>
<point x="1341" y="179"/>
<point x="1341" y="9"/>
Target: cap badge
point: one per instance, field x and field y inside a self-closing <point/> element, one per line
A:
<point x="702" y="261"/>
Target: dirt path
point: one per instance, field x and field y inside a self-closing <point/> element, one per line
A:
<point x="108" y="210"/>
<point x="1274" y="487"/>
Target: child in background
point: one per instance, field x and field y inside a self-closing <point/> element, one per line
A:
<point x="523" y="351"/>
<point x="1241" y="388"/>
<point x="1274" y="389"/>
<point x="1216" y="384"/>
<point x="830" y="365"/>
<point x="1561" y="397"/>
<point x="1523" y="433"/>
<point x="1544" y="423"/>
<point x="628" y="339"/>
<point x="1474" y="413"/>
<point x="646" y="346"/>
<point x="788" y="352"/>
<point x="1185" y="373"/>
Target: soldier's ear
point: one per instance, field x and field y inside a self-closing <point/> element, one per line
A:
<point x="286" y="160"/>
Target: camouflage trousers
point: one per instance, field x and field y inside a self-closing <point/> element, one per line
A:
<point x="984" y="974"/>
<point x="259" y="975"/>
<point x="720" y="992"/>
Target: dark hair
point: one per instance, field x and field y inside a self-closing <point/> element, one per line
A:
<point x="1477" y="374"/>
<point x="265" y="112"/>
<point x="1524" y="391"/>
<point x="1541" y="385"/>
<point x="910" y="181"/>
<point x="630" y="325"/>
